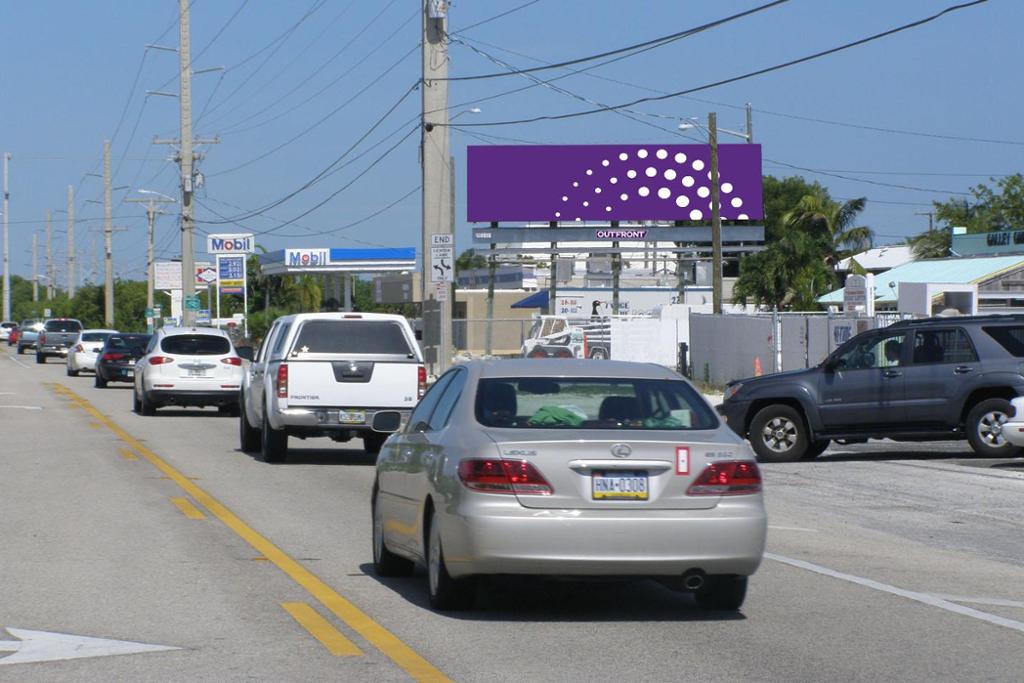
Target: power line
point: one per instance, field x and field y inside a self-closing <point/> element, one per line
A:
<point x="496" y="16"/>
<point x="750" y="74"/>
<point x="865" y="180"/>
<point x="663" y="40"/>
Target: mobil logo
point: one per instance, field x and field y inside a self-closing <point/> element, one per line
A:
<point x="307" y="257"/>
<point x="230" y="244"/>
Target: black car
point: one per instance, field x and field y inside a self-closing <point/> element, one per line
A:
<point x="916" y="380"/>
<point x="116" y="362"/>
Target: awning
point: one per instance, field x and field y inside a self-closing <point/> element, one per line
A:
<point x="538" y="299"/>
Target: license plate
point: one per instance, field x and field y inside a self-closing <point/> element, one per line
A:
<point x="196" y="372"/>
<point x="351" y="416"/>
<point x="619" y="486"/>
<point x="126" y="372"/>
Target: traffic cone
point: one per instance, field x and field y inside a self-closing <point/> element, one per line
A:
<point x="757" y="366"/>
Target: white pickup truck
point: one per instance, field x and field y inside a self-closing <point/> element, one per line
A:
<point x="337" y="375"/>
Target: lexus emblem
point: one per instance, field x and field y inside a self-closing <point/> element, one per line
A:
<point x="621" y="450"/>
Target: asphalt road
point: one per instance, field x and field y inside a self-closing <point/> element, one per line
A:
<point x="886" y="562"/>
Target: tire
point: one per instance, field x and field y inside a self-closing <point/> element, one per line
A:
<point x="230" y="410"/>
<point x="273" y="443"/>
<point x="72" y="373"/>
<point x="136" y="403"/>
<point x="816" y="448"/>
<point x="385" y="562"/>
<point x="372" y="442"/>
<point x="21" y="350"/>
<point x="599" y="354"/>
<point x="722" y="593"/>
<point x="445" y="592"/>
<point x="248" y="436"/>
<point x="146" y="408"/>
<point x="40" y="358"/>
<point x="100" y="383"/>
<point x="984" y="429"/>
<point x="778" y="434"/>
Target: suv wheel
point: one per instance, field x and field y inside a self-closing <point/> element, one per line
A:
<point x="273" y="443"/>
<point x="40" y="358"/>
<point x="248" y="436"/>
<point x="777" y="434"/>
<point x="984" y="427"/>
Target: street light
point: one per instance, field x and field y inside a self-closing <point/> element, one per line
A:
<point x="151" y="212"/>
<point x="159" y="194"/>
<point x="692" y="123"/>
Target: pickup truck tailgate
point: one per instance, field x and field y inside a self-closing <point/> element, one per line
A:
<point x="352" y="384"/>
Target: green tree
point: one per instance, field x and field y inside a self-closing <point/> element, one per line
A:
<point x="468" y="260"/>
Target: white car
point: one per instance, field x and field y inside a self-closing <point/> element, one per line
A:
<point x="193" y="366"/>
<point x="1013" y="428"/>
<point x="5" y="329"/>
<point x="85" y="350"/>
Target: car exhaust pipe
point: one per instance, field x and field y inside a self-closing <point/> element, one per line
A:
<point x="693" y="580"/>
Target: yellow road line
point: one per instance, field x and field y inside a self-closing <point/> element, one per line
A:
<point x="126" y="453"/>
<point x="378" y="636"/>
<point x="187" y="508"/>
<point x="331" y="638"/>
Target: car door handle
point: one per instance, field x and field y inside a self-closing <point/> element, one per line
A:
<point x="892" y="373"/>
<point x="963" y="369"/>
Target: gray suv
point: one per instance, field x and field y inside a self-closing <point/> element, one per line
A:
<point x="916" y="380"/>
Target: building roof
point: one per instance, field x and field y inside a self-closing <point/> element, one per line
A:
<point x="879" y="258"/>
<point x="941" y="271"/>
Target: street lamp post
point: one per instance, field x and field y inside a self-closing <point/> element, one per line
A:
<point x="151" y="212"/>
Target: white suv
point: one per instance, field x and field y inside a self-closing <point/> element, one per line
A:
<point x="195" y="366"/>
<point x="338" y="375"/>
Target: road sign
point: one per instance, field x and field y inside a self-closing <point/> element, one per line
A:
<point x="192" y="303"/>
<point x="167" y="275"/>
<point x="149" y="313"/>
<point x="41" y="646"/>
<point x="203" y="316"/>
<point x="442" y="241"/>
<point x="206" y="275"/>
<point x="442" y="262"/>
<point x="47" y="312"/>
<point x="441" y="291"/>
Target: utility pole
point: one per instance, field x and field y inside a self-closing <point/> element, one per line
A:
<point x="94" y="272"/>
<point x="151" y="213"/>
<point x="71" y="241"/>
<point x="716" y="219"/>
<point x="7" y="265"/>
<point x="931" y="218"/>
<point x="49" y="255"/>
<point x="434" y="157"/>
<point x="35" y="270"/>
<point x="750" y="124"/>
<point x="108" y="242"/>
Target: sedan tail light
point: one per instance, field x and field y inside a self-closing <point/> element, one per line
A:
<point x="727" y="479"/>
<point x="282" y="381"/>
<point x="503" y="476"/>
<point x="233" y="360"/>
<point x="111" y="355"/>
<point x="160" y="360"/>
<point x="421" y="378"/>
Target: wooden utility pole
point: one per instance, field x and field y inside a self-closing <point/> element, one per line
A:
<point x="108" y="242"/>
<point x="188" y="268"/>
<point x="7" y="259"/>
<point x="49" y="255"/>
<point x="716" y="219"/>
<point x="71" y="241"/>
<point x="151" y="213"/>
<point x="35" y="269"/>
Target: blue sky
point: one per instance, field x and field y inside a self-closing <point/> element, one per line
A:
<point x="293" y="98"/>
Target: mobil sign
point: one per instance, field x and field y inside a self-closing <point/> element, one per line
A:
<point x="306" y="258"/>
<point x="230" y="244"/>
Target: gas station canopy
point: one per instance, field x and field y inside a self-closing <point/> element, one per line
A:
<point x="328" y="260"/>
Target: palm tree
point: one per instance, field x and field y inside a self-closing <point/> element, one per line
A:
<point x="831" y="224"/>
<point x="931" y="244"/>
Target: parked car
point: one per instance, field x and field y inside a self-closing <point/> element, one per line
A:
<point x="6" y="327"/>
<point x="195" y="366"/>
<point x="330" y="374"/>
<point x="568" y="468"/>
<point x="56" y="337"/>
<point x="916" y="380"/>
<point x="559" y="336"/>
<point x="116" y="362"/>
<point x="85" y="350"/>
<point x="1013" y="428"/>
<point x="28" y="334"/>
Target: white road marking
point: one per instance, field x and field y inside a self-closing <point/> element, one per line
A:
<point x="41" y="646"/>
<point x="996" y="602"/>
<point x="924" y="598"/>
<point x="792" y="528"/>
<point x="24" y="407"/>
<point x="15" y="360"/>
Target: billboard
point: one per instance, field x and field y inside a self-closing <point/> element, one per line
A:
<point x="624" y="182"/>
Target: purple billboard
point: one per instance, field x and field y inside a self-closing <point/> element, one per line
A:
<point x="610" y="182"/>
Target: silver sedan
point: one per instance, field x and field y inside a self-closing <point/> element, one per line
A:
<point x="568" y="468"/>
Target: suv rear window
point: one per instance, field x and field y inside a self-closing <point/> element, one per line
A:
<point x="376" y="337"/>
<point x="63" y="326"/>
<point x="1009" y="337"/>
<point x="196" y="345"/>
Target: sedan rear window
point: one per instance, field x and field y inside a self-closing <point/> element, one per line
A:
<point x="375" y="337"/>
<point x="196" y="345"/>
<point x="589" y="403"/>
<point x="136" y="342"/>
<point x="63" y="326"/>
<point x="1010" y="337"/>
<point x="95" y="336"/>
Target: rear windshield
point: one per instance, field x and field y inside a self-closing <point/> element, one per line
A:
<point x="128" y="341"/>
<point x="196" y="345"/>
<point x="560" y="403"/>
<point x="63" y="326"/>
<point x="1009" y="337"/>
<point x="8" y="325"/>
<point x="376" y="337"/>
<point x="95" y="336"/>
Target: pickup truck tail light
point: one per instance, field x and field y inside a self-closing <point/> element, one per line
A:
<point x="232" y="360"/>
<point x="421" y="375"/>
<point x="42" y="338"/>
<point x="160" y="360"/>
<point x="727" y="479"/>
<point x="282" y="381"/>
<point x="503" y="476"/>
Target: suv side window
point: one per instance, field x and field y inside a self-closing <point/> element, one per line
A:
<point x="282" y="334"/>
<point x="943" y="346"/>
<point x="423" y="410"/>
<point x="875" y="351"/>
<point x="446" y="405"/>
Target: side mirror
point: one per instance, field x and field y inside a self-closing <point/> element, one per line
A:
<point x="245" y="352"/>
<point x="387" y="421"/>
<point x="421" y="427"/>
